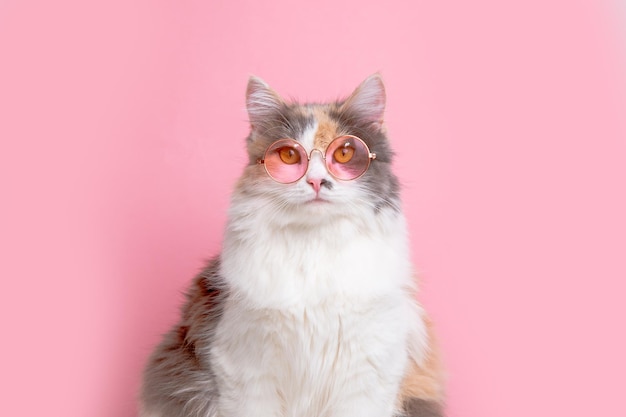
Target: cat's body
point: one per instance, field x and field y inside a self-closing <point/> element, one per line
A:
<point x="310" y="309"/>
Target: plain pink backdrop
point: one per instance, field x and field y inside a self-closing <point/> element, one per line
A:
<point x="122" y="127"/>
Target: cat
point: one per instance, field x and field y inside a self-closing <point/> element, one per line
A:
<point x="310" y="308"/>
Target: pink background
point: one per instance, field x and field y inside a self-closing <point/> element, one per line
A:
<point x="122" y="127"/>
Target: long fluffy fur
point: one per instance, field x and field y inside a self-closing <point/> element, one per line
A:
<point x="310" y="309"/>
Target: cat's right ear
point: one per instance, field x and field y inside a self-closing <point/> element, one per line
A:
<point x="262" y="102"/>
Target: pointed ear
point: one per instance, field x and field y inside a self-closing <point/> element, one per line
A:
<point x="367" y="102"/>
<point x="261" y="101"/>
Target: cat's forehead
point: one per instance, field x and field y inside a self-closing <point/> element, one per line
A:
<point x="327" y="127"/>
<point x="313" y="125"/>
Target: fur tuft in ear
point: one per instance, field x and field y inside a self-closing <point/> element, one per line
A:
<point x="368" y="101"/>
<point x="261" y="101"/>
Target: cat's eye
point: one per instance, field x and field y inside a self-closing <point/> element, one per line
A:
<point x="344" y="154"/>
<point x="289" y="155"/>
<point x="346" y="158"/>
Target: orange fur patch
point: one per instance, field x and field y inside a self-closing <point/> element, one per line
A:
<point x="424" y="380"/>
<point x="327" y="128"/>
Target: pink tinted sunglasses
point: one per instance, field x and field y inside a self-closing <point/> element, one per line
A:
<point x="346" y="157"/>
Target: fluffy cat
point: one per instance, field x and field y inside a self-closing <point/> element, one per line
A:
<point x="310" y="309"/>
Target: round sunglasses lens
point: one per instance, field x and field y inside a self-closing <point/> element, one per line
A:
<point x="285" y="161"/>
<point x="347" y="157"/>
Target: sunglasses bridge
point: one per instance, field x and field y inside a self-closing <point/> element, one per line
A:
<point x="310" y="155"/>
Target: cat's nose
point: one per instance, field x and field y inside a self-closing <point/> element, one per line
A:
<point x="316" y="183"/>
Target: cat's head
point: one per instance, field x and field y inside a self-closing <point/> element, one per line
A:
<point x="291" y="173"/>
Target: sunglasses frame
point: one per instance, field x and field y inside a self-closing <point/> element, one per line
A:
<point x="371" y="157"/>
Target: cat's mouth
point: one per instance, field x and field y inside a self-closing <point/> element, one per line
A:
<point x="318" y="200"/>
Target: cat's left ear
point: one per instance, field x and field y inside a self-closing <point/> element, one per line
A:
<point x="367" y="102"/>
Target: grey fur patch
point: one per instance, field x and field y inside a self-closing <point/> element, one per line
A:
<point x="327" y="184"/>
<point x="178" y="379"/>
<point x="417" y="407"/>
<point x="379" y="178"/>
<point x="290" y="121"/>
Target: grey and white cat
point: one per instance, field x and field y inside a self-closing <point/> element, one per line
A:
<point x="310" y="309"/>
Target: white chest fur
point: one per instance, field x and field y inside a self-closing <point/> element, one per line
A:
<point x="318" y="321"/>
